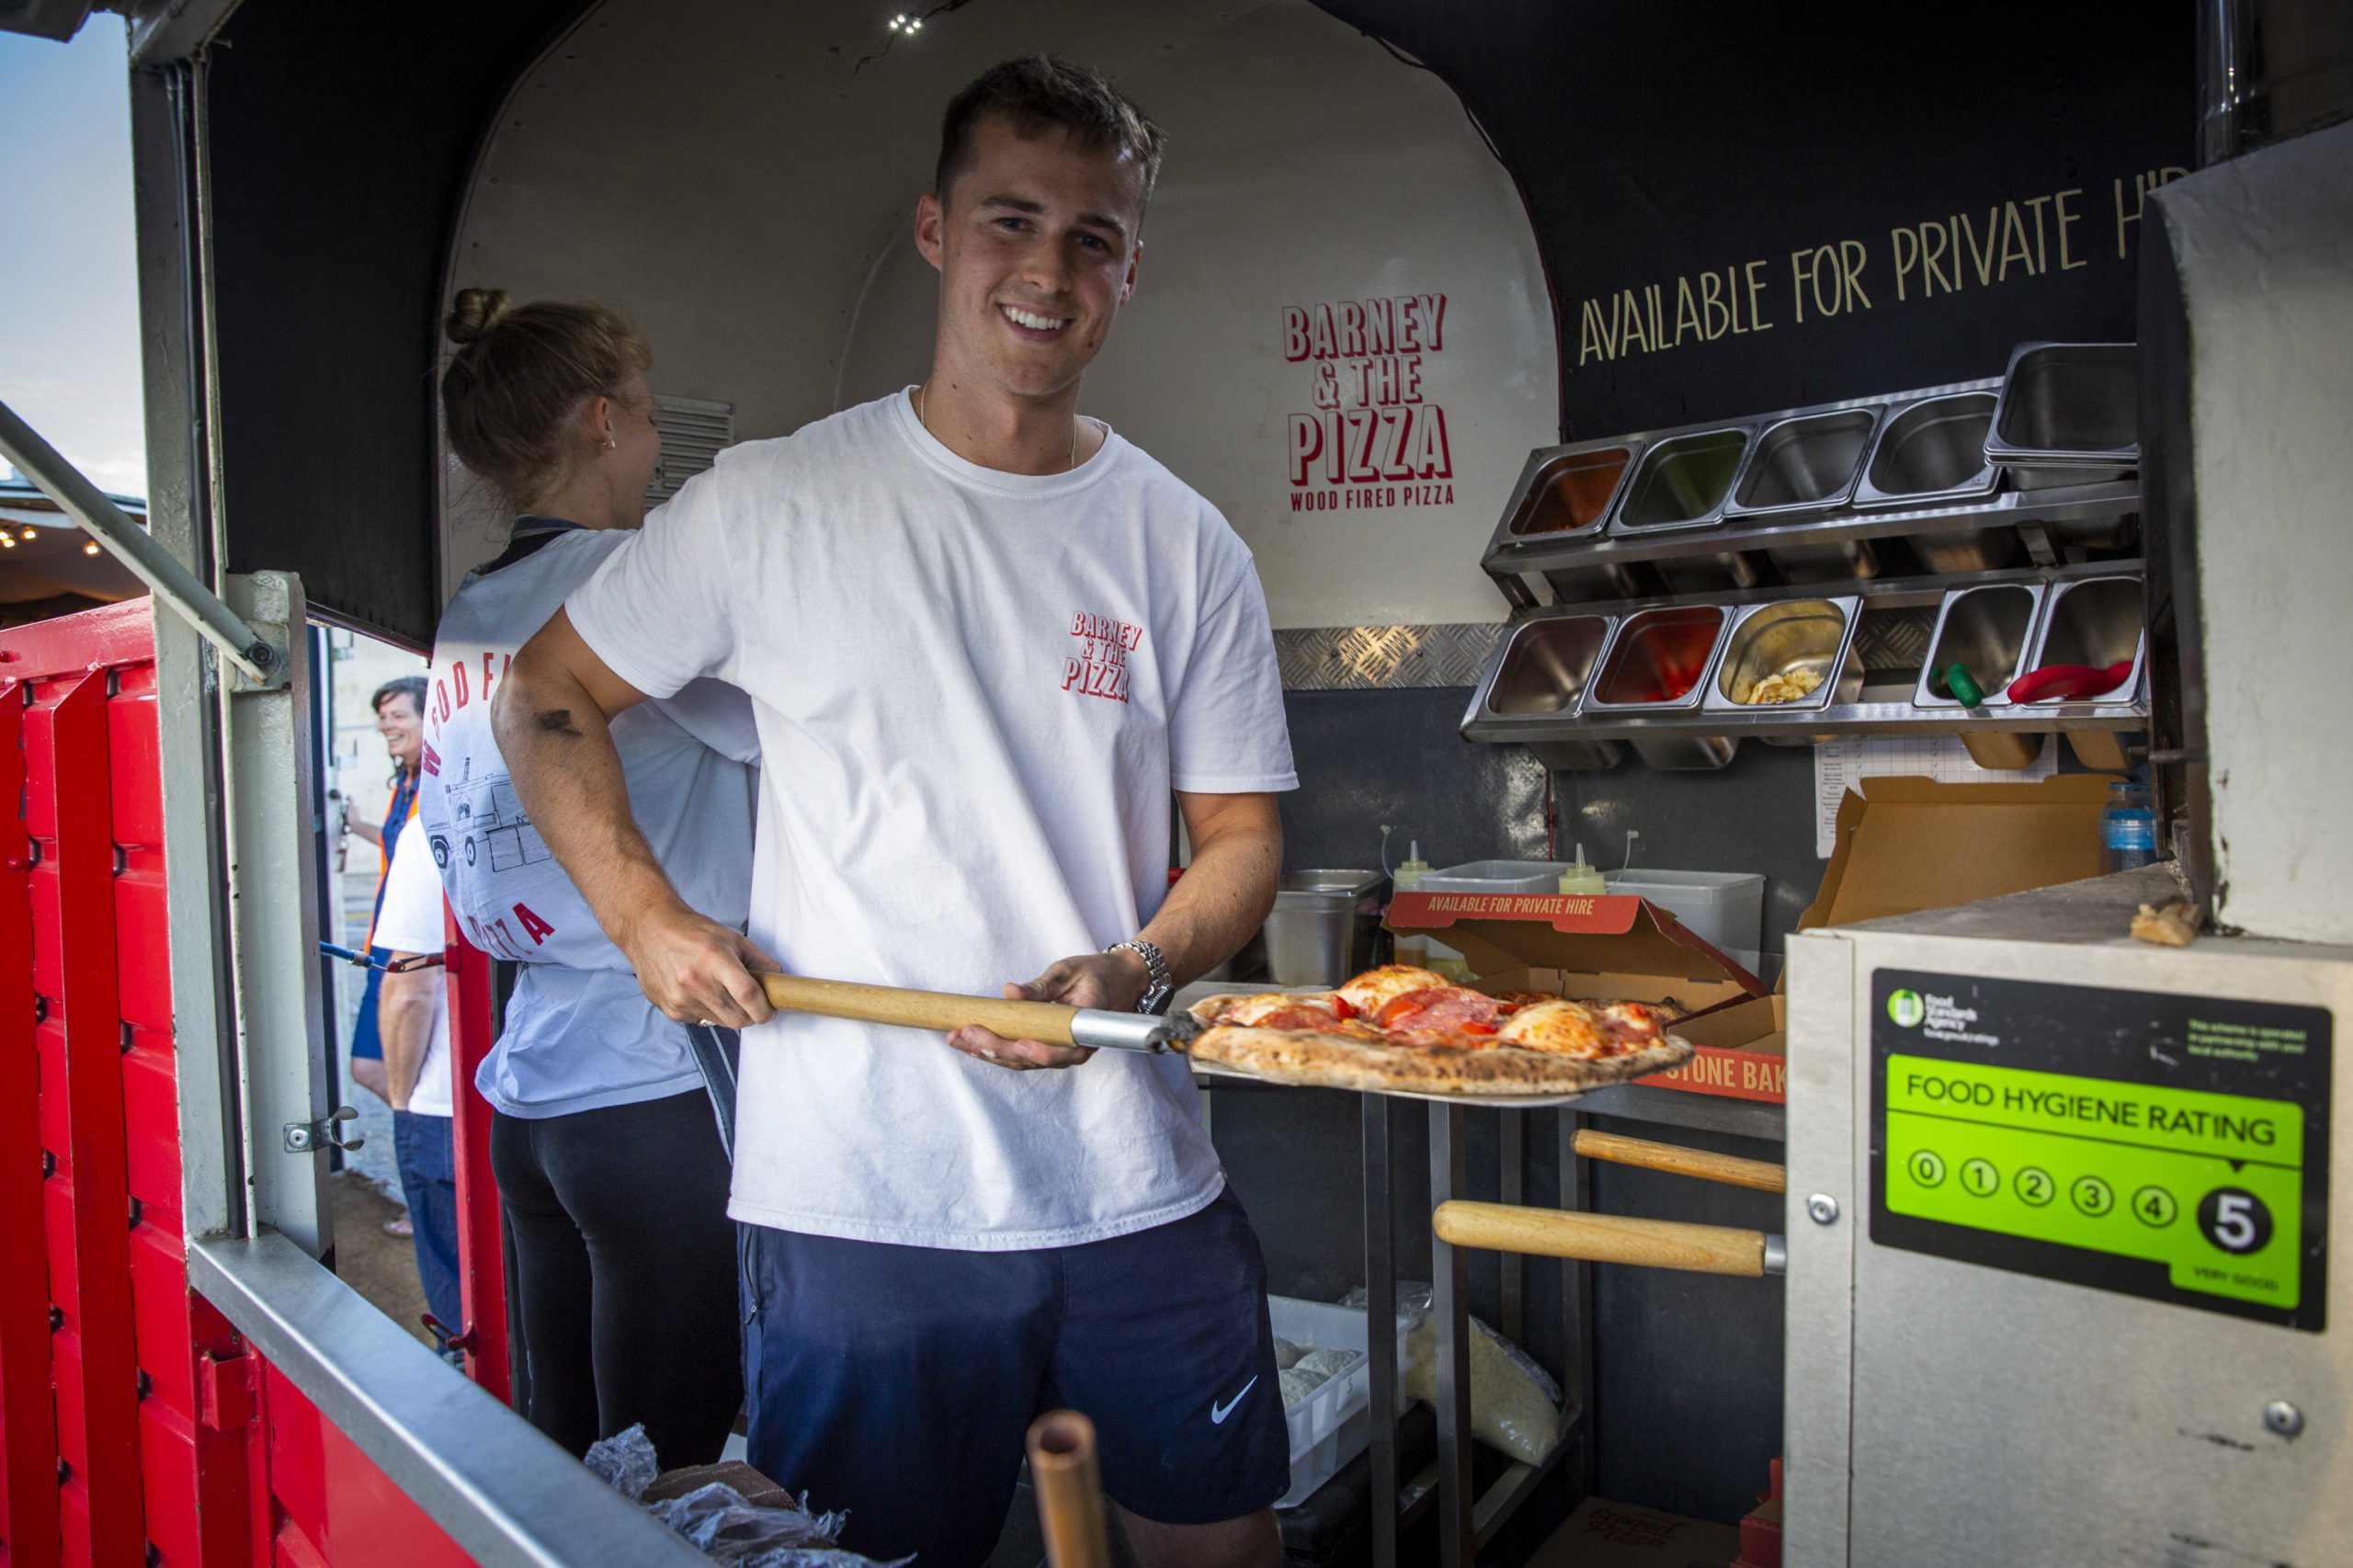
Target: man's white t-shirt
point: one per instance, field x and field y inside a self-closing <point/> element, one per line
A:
<point x="579" y="1033"/>
<point x="410" y="922"/>
<point x="974" y="691"/>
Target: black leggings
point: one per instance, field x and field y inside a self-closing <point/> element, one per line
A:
<point x="625" y="1273"/>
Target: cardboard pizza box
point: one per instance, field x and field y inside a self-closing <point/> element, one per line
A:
<point x="1615" y="947"/>
<point x="1602" y="1534"/>
<point x="1907" y="845"/>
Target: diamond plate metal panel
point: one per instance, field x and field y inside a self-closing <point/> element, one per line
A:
<point x="1368" y="658"/>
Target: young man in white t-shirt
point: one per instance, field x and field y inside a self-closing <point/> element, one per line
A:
<point x="413" y="1013"/>
<point x="985" y="639"/>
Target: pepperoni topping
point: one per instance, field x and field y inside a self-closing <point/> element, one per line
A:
<point x="1443" y="1007"/>
<point x="1295" y="1018"/>
<point x="1513" y="1001"/>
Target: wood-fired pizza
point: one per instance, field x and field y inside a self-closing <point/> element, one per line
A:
<point x="1401" y="1028"/>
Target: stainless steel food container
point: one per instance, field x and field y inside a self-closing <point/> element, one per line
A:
<point x="1986" y="630"/>
<point x="1566" y="491"/>
<point x="2069" y="414"/>
<point x="1805" y="465"/>
<point x="2097" y="621"/>
<point x="1686" y="754"/>
<point x="1933" y="449"/>
<point x="1532" y="687"/>
<point x="1321" y="928"/>
<point x="1659" y="660"/>
<point x="1682" y="481"/>
<point x="1780" y="638"/>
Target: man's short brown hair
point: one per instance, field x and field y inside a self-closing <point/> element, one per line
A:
<point x="1038" y="93"/>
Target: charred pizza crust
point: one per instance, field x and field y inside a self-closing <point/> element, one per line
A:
<point x="1318" y="1059"/>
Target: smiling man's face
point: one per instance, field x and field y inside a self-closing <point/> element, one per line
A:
<point x="1037" y="248"/>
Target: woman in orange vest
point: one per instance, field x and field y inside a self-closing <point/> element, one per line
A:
<point x="400" y="718"/>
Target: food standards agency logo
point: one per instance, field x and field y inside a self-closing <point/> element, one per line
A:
<point x="1906" y="1008"/>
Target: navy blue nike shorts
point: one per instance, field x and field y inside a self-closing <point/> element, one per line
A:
<point x="897" y="1381"/>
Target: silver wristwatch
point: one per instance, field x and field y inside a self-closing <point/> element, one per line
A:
<point x="1159" y="986"/>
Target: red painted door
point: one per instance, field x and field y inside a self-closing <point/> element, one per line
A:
<point x="136" y="1427"/>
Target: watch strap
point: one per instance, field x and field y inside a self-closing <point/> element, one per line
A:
<point x="1158" y="985"/>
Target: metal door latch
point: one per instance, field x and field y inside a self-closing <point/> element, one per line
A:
<point x="310" y="1137"/>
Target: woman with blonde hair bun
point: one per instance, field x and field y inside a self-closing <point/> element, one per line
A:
<point x="611" y="1163"/>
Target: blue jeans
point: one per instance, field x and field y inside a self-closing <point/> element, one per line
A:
<point x="428" y="1165"/>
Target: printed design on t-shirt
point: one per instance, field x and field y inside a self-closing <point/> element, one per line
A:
<point x="1097" y="664"/>
<point x="487" y="822"/>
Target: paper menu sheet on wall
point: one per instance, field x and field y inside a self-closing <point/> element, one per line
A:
<point x="1840" y="765"/>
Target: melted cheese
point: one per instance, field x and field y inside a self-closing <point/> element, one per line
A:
<point x="1253" y="1010"/>
<point x="1376" y="988"/>
<point x="1564" y="1029"/>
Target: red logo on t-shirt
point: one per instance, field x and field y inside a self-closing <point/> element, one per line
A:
<point x="1098" y="666"/>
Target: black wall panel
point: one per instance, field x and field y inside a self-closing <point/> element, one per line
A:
<point x="341" y="138"/>
<point x="1656" y="141"/>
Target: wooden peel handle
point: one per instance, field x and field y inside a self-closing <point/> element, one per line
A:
<point x="1673" y="1158"/>
<point x="1063" y="1467"/>
<point x="937" y="1011"/>
<point x="1601" y="1238"/>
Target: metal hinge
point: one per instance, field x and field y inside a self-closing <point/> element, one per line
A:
<point x="311" y="1137"/>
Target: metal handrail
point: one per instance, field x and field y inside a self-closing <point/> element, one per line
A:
<point x="505" y="1494"/>
<point x="171" y="583"/>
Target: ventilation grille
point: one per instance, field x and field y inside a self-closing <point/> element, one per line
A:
<point x="693" y="430"/>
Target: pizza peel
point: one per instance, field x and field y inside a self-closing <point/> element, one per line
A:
<point x="1053" y="1023"/>
<point x="1050" y="1023"/>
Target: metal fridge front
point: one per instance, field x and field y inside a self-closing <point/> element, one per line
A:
<point x="2060" y="1285"/>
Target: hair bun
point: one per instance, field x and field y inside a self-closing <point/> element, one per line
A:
<point x="476" y="312"/>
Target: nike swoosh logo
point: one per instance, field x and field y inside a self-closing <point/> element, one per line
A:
<point x="1217" y="1412"/>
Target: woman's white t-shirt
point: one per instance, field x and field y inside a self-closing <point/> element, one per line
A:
<point x="579" y="1034"/>
<point x="409" y="921"/>
<point x="974" y="691"/>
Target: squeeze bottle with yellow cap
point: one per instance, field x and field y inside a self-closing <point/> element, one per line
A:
<point x="1413" y="946"/>
<point x="1582" y="879"/>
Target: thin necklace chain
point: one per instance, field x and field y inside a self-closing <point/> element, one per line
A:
<point x="926" y="386"/>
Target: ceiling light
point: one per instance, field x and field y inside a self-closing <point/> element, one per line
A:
<point x="6" y="543"/>
<point x="29" y="536"/>
<point x="91" y="548"/>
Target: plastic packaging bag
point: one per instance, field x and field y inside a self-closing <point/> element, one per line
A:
<point x="720" y="1520"/>
<point x="1515" y="1407"/>
<point x="624" y="1462"/>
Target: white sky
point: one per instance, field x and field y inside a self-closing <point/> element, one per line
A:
<point x="69" y="301"/>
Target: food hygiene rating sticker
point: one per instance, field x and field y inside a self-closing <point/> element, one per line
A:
<point x="2171" y="1147"/>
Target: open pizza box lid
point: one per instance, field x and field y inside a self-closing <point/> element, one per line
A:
<point x="1905" y="844"/>
<point x="1617" y="947"/>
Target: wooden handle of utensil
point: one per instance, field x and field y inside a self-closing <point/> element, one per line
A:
<point x="1673" y="1158"/>
<point x="939" y="1011"/>
<point x="1601" y="1238"/>
<point x="1070" y="1489"/>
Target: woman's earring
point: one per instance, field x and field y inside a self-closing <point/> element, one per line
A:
<point x="608" y="443"/>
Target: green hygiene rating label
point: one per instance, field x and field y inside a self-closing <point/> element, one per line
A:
<point x="2210" y="1186"/>
<point x="2166" y="1146"/>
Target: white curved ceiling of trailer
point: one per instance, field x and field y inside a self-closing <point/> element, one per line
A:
<point x="731" y="177"/>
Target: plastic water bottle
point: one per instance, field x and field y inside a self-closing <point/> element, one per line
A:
<point x="2128" y="828"/>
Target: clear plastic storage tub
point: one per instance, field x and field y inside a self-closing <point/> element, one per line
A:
<point x="1497" y="876"/>
<point x="1332" y="1425"/>
<point x="1724" y="909"/>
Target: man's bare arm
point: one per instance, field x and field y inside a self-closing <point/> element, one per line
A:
<point x="1225" y="894"/>
<point x="1215" y="906"/>
<point x="552" y="716"/>
<point x="404" y="1023"/>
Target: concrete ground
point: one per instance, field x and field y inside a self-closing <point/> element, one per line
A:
<point x="380" y="1267"/>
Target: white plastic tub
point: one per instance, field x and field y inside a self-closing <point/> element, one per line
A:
<point x="1332" y="1425"/>
<point x="1724" y="909"/>
<point x="1497" y="876"/>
